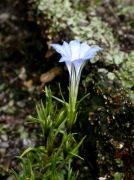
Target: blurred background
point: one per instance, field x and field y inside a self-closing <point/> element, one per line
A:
<point x="27" y="64"/>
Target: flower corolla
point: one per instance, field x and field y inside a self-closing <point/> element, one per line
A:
<point x="75" y="53"/>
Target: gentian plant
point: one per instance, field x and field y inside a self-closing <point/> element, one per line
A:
<point x="74" y="54"/>
<point x="54" y="158"/>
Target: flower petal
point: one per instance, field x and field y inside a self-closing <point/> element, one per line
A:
<point x="84" y="49"/>
<point x="69" y="65"/>
<point x="59" y="48"/>
<point x="75" y="49"/>
<point x="91" y="53"/>
<point x="67" y="49"/>
<point x="77" y="64"/>
<point x="64" y="59"/>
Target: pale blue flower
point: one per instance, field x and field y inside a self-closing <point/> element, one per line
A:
<point x="75" y="53"/>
